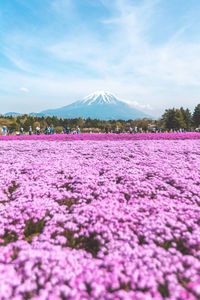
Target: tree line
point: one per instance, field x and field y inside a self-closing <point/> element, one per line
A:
<point x="172" y="119"/>
<point x="181" y="118"/>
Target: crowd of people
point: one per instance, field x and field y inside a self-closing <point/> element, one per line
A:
<point x="50" y="130"/>
<point x="38" y="131"/>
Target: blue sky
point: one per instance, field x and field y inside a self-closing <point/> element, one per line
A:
<point x="54" y="52"/>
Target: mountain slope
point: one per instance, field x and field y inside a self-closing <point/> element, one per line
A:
<point x="12" y="114"/>
<point x="99" y="105"/>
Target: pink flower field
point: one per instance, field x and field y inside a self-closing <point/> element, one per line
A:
<point x="100" y="217"/>
<point x="104" y="137"/>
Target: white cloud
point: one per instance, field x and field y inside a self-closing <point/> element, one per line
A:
<point x="127" y="53"/>
<point x="17" y="61"/>
<point x="141" y="106"/>
<point x="61" y="5"/>
<point x="124" y="61"/>
<point x="23" y="89"/>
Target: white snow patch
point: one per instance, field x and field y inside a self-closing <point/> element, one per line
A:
<point x="100" y="97"/>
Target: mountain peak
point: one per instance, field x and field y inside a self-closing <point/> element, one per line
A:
<point x="100" y="97"/>
<point x="98" y="105"/>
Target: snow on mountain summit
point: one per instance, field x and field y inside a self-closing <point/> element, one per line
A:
<point x="100" y="97"/>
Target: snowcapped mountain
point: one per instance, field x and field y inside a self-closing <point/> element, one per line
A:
<point x="99" y="97"/>
<point x="99" y="105"/>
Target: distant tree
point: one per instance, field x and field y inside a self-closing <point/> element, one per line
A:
<point x="13" y="125"/>
<point x="10" y="123"/>
<point x="143" y="123"/>
<point x="59" y="129"/>
<point x="118" y="124"/>
<point x="35" y="124"/>
<point x="160" y="124"/>
<point x="18" y="120"/>
<point x="55" y="121"/>
<point x="173" y="119"/>
<point x="80" y="122"/>
<point x="48" y="121"/>
<point x="196" y="116"/>
<point x="187" y="116"/>
<point x="168" y="118"/>
<point x="27" y="124"/>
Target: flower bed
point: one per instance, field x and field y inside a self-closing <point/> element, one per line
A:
<point x="104" y="137"/>
<point x="100" y="220"/>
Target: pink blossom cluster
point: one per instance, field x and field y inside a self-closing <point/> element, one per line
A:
<point x="103" y="136"/>
<point x="100" y="220"/>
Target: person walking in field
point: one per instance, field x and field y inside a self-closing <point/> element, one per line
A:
<point x="78" y="130"/>
<point x="5" y="130"/>
<point x="30" y="130"/>
<point x="38" y="130"/>
<point x="51" y="130"/>
<point x="135" y="129"/>
<point x="22" y="131"/>
<point x="67" y="129"/>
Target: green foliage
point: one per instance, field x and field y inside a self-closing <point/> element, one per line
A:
<point x="8" y="237"/>
<point x="27" y="124"/>
<point x="35" y="124"/>
<point x="90" y="244"/>
<point x="59" y="129"/>
<point x="163" y="289"/>
<point x="33" y="229"/>
<point x="68" y="202"/>
<point x="81" y="122"/>
<point x="177" y="118"/>
<point x="187" y="117"/>
<point x="196" y="116"/>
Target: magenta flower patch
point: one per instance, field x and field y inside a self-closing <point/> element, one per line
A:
<point x="89" y="217"/>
